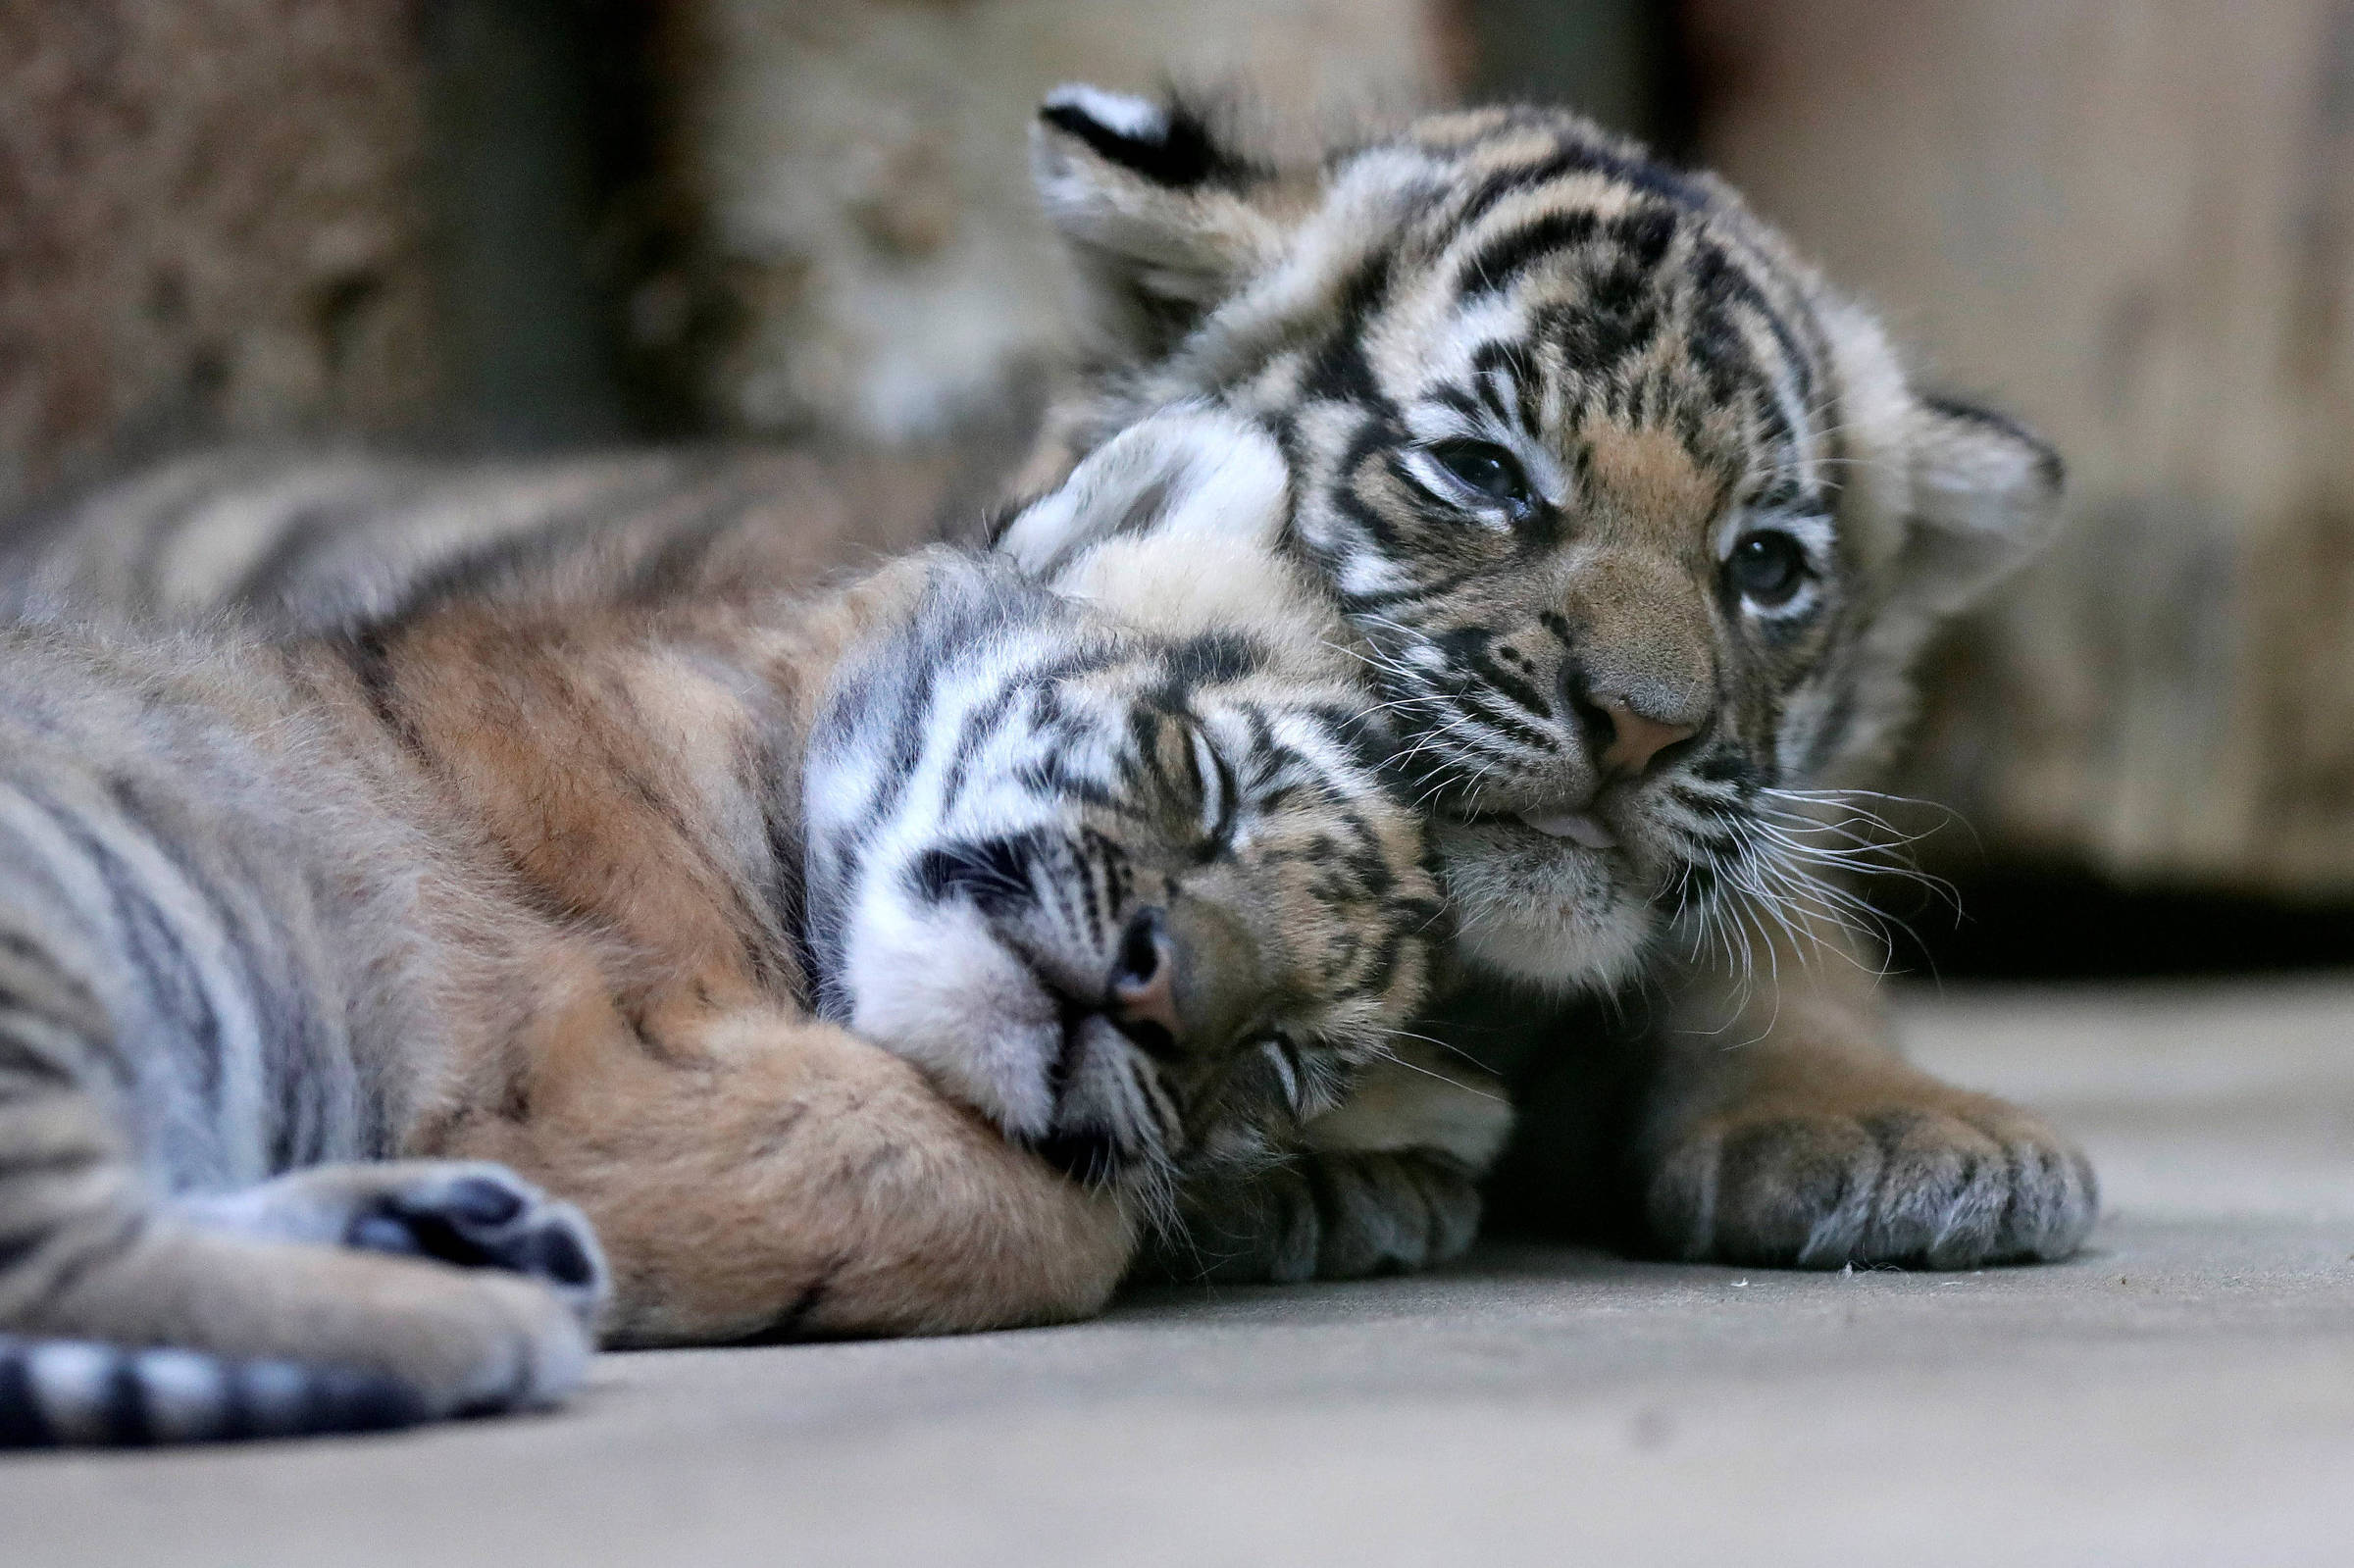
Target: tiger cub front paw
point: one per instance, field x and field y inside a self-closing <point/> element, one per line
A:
<point x="1950" y="1185"/>
<point x="1324" y="1215"/>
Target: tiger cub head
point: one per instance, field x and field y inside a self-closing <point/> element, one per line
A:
<point x="1633" y="523"/>
<point x="1143" y="899"/>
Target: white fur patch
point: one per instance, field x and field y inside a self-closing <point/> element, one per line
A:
<point x="932" y="984"/>
<point x="1122" y="114"/>
<point x="69" y="1382"/>
<point x="1551" y="917"/>
<point x="184" y="1393"/>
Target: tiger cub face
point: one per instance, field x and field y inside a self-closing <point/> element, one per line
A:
<point x="1143" y="900"/>
<point x="1632" y="524"/>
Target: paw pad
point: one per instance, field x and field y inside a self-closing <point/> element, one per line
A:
<point x="487" y="1219"/>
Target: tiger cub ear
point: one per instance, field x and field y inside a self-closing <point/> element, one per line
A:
<point x="1985" y="497"/>
<point x="1198" y="484"/>
<point x="1155" y="206"/>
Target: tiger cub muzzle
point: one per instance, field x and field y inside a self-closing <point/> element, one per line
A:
<point x="1147" y="999"/>
<point x="1578" y="715"/>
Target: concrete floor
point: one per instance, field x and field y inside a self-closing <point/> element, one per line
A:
<point x="2184" y="1393"/>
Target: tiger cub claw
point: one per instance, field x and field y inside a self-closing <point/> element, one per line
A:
<point x="1941" y="1188"/>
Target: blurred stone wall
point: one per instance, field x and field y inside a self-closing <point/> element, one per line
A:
<point x="2132" y="224"/>
<point x="528" y="224"/>
<point x="212" y="221"/>
<point x="866" y="256"/>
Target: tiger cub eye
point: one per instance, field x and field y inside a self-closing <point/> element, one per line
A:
<point x="1486" y="470"/>
<point x="1766" y="568"/>
<point x="1213" y="787"/>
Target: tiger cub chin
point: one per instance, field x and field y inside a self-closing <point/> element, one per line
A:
<point x="1633" y="527"/>
<point x="384" y="1012"/>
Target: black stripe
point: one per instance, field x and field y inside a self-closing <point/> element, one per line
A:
<point x="1339" y="372"/>
<point x="1470" y="647"/>
<point x="1515" y="361"/>
<point x="1502" y="257"/>
<point x="791" y="1323"/>
<point x="130" y="1230"/>
<point x="367" y="651"/>
<point x="290" y="1030"/>
<point x="26" y="1166"/>
<point x="1578" y="156"/>
<point x="978" y="726"/>
<point x="21" y="1424"/>
<point x="1104" y="852"/>
<point x="1723" y="286"/>
<point x="175" y="980"/>
<point x="19" y="1059"/>
<point x="124" y="1405"/>
<point x="994" y="874"/>
<point x="779" y="794"/>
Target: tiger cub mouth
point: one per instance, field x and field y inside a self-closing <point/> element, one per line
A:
<point x="1583" y="828"/>
<point x="1578" y="827"/>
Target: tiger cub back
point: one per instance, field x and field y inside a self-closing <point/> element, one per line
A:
<point x="293" y="541"/>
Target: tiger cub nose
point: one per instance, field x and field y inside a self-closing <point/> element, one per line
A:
<point x="1144" y="973"/>
<point x="1636" y="739"/>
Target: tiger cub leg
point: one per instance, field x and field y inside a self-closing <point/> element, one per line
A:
<point x="1781" y="1128"/>
<point x="468" y="1213"/>
<point x="755" y="1174"/>
<point x="1387" y="1183"/>
<point x="124" y="1319"/>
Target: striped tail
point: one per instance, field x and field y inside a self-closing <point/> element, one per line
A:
<point x="76" y="1393"/>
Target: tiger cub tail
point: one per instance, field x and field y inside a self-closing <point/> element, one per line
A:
<point x="157" y="1045"/>
<point x="319" y="1301"/>
<point x="71" y="1393"/>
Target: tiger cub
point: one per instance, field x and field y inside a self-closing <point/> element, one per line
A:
<point x="1633" y="527"/>
<point x="384" y="1011"/>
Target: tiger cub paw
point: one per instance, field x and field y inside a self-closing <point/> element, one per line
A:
<point x="471" y="1213"/>
<point x="1943" y="1187"/>
<point x="1324" y="1215"/>
<point x="483" y="1216"/>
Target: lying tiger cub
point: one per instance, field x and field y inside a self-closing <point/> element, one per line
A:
<point x="381" y="1011"/>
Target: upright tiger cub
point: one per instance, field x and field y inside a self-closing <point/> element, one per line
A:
<point x="1634" y="527"/>
<point x="869" y="960"/>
